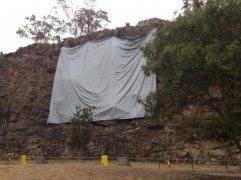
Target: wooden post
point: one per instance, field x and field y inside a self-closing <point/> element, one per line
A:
<point x="192" y="165"/>
<point x="62" y="160"/>
<point x="226" y="164"/>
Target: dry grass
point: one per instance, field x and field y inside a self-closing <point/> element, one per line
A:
<point x="75" y="172"/>
<point x="90" y="170"/>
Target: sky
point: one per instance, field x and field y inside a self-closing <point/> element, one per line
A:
<point x="13" y="12"/>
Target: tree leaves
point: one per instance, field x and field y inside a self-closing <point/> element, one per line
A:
<point x="80" y="133"/>
<point x="197" y="60"/>
<point x="71" y="20"/>
<point x="43" y="30"/>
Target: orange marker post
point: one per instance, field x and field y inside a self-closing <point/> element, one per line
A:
<point x="177" y="161"/>
<point x="168" y="165"/>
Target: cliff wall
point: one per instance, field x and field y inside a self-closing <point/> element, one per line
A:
<point x="26" y="79"/>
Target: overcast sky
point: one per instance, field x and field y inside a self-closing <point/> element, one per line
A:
<point x="13" y="12"/>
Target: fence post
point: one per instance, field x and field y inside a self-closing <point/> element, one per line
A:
<point x="240" y="165"/>
<point x="226" y="164"/>
<point x="62" y="160"/>
<point x="192" y="165"/>
<point x="84" y="160"/>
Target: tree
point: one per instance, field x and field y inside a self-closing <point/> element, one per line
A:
<point x="197" y="60"/>
<point x="64" y="19"/>
<point x="82" y="21"/>
<point x="188" y="4"/>
<point x="90" y="20"/>
<point x="48" y="28"/>
<point x="80" y="134"/>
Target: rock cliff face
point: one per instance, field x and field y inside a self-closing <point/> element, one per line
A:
<point x="26" y="78"/>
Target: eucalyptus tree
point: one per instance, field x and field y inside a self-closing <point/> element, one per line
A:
<point x="197" y="60"/>
<point x="65" y="19"/>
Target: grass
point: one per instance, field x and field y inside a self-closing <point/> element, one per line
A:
<point x="140" y="164"/>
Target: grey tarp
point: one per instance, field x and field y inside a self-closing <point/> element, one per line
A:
<point x="106" y="74"/>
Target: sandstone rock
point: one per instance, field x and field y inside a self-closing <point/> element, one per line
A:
<point x="26" y="78"/>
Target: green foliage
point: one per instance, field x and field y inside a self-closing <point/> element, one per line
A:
<point x="64" y="20"/>
<point x="82" y="20"/>
<point x="151" y="107"/>
<point x="90" y="20"/>
<point x="189" y="129"/>
<point x="192" y="128"/>
<point x="197" y="60"/>
<point x="48" y="28"/>
<point x="189" y="4"/>
<point x="213" y="127"/>
<point x="80" y="134"/>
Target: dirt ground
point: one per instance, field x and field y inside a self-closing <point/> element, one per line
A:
<point x="89" y="172"/>
<point x="74" y="172"/>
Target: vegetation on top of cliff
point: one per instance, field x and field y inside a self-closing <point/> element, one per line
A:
<point x="64" y="20"/>
<point x="197" y="60"/>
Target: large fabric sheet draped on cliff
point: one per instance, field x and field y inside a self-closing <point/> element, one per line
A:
<point x="105" y="74"/>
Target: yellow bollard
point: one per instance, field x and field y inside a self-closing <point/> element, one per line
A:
<point x="104" y="160"/>
<point x="23" y="159"/>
